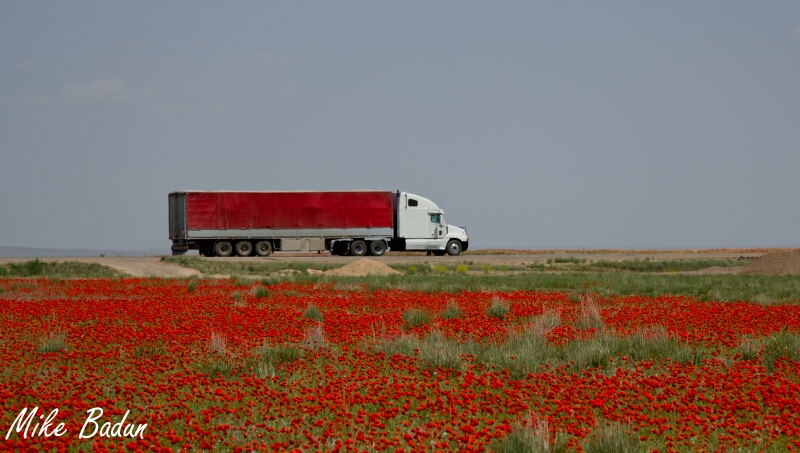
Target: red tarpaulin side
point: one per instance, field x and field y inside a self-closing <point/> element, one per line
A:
<point x="288" y="210"/>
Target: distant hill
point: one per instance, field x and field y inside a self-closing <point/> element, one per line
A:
<point x="31" y="252"/>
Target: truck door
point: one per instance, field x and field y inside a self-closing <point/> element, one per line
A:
<point x="436" y="231"/>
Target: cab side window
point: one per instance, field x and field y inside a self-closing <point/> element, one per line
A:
<point x="412" y="202"/>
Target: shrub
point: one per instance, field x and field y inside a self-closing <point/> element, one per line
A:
<point x="415" y="317"/>
<point x="461" y="268"/>
<point x="27" y="269"/>
<point x="313" y="312"/>
<point x="262" y="293"/>
<point x="499" y="308"/>
<point x="191" y="286"/>
<point x="412" y="270"/>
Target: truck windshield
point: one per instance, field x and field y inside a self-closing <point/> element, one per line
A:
<point x="436" y="218"/>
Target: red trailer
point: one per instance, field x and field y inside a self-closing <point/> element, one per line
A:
<point x="345" y="222"/>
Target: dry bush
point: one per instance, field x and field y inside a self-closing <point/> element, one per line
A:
<point x="218" y="343"/>
<point x="314" y="338"/>
<point x="590" y="317"/>
<point x="545" y="323"/>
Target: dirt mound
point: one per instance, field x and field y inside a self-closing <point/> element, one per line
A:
<point x="362" y="267"/>
<point x="779" y="262"/>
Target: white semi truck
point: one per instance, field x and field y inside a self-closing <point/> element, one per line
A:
<point x="354" y="223"/>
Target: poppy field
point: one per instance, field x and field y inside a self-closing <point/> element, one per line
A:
<point x="221" y="365"/>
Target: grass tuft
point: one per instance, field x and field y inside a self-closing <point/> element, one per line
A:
<point x="415" y="317"/>
<point x="451" y="310"/>
<point x="313" y="312"/>
<point x="55" y="341"/>
<point x="262" y="293"/>
<point x="533" y="437"/>
<point x="749" y="348"/>
<point x="499" y="308"/>
<point x="783" y="344"/>
<point x="191" y="286"/>
<point x="612" y="438"/>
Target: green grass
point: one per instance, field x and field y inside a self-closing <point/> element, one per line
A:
<point x="648" y="265"/>
<point x="528" y="351"/>
<point x="765" y="289"/>
<point x="57" y="269"/>
<point x="313" y="312"/>
<point x="414" y="317"/>
<point x="618" y="278"/>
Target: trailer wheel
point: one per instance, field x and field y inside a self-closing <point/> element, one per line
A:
<point x="358" y="248"/>
<point x="377" y="248"/>
<point x="244" y="248"/>
<point x="454" y="248"/>
<point x="263" y="248"/>
<point x="223" y="249"/>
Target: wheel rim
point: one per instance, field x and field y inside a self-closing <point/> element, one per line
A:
<point x="358" y="249"/>
<point x="454" y="248"/>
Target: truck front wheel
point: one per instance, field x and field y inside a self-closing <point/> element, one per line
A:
<point x="263" y="248"/>
<point x="358" y="248"/>
<point x="377" y="248"/>
<point x="454" y="248"/>
<point x="244" y="248"/>
<point x="223" y="249"/>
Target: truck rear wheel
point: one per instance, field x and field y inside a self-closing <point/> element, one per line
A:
<point x="263" y="248"/>
<point x="358" y="248"/>
<point x="454" y="248"/>
<point x="223" y="249"/>
<point x="377" y="248"/>
<point x="244" y="248"/>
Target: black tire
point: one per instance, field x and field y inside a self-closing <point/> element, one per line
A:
<point x="358" y="248"/>
<point x="377" y="248"/>
<point x="244" y="248"/>
<point x="263" y="248"/>
<point x="223" y="249"/>
<point x="454" y="248"/>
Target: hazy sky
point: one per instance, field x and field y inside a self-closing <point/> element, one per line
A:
<point x="538" y="124"/>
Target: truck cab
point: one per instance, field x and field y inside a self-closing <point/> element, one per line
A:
<point x="420" y="226"/>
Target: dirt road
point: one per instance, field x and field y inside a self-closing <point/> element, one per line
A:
<point x="152" y="266"/>
<point x="135" y="266"/>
